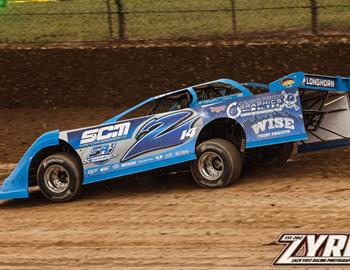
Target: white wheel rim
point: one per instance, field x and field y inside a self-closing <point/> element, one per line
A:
<point x="56" y="179"/>
<point x="211" y="166"/>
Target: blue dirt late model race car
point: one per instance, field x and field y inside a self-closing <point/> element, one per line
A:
<point x="215" y="126"/>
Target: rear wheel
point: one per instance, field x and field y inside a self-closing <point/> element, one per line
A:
<point x="218" y="164"/>
<point x="59" y="177"/>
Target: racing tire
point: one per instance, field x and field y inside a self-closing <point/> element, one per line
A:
<point x="59" y="177"/>
<point x="218" y="164"/>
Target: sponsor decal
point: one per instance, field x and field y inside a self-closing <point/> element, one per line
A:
<point x="319" y="81"/>
<point x="100" y="154"/>
<point x="155" y="158"/>
<point x="290" y="100"/>
<point x="264" y="105"/>
<point x="146" y="160"/>
<point x="127" y="164"/>
<point x="115" y="166"/>
<point x="86" y="137"/>
<point x="182" y="153"/>
<point x="287" y="82"/>
<point x="272" y="124"/>
<point x="92" y="171"/>
<point x="105" y="133"/>
<point x="169" y="155"/>
<point x="306" y="249"/>
<point x="233" y="110"/>
<point x="105" y="169"/>
<point x="217" y="109"/>
<point x="268" y="116"/>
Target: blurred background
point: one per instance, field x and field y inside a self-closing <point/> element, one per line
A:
<point x="120" y="20"/>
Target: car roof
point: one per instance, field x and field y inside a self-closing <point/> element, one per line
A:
<point x="233" y="83"/>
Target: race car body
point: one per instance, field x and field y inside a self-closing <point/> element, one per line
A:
<point x="215" y="126"/>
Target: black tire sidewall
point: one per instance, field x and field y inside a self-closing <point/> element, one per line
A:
<point x="225" y="179"/>
<point x="74" y="183"/>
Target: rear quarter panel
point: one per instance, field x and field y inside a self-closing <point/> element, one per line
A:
<point x="268" y="118"/>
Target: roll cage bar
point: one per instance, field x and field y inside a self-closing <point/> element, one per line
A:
<point x="191" y="90"/>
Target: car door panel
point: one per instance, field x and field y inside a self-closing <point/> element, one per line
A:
<point x="139" y="144"/>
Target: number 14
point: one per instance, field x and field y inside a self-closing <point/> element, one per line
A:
<point x="188" y="133"/>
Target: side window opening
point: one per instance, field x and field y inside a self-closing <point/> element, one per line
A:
<point x="172" y="102"/>
<point x="215" y="90"/>
<point x="164" y="104"/>
<point x="140" y="111"/>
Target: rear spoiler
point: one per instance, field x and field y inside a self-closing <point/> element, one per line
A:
<point x="311" y="81"/>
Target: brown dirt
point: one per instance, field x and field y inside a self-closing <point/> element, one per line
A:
<point x="122" y="75"/>
<point x="166" y="221"/>
<point x="21" y="127"/>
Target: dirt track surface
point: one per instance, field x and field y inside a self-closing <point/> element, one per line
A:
<point x="166" y="221"/>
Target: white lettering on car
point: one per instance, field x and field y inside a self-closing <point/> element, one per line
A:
<point x="273" y="123"/>
<point x="105" y="133"/>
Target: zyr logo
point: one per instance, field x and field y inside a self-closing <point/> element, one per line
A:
<point x="314" y="249"/>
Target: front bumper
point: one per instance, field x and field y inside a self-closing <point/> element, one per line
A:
<point x="12" y="189"/>
<point x="14" y="194"/>
<point x="16" y="185"/>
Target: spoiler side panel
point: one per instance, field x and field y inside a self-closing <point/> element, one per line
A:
<point x="303" y="80"/>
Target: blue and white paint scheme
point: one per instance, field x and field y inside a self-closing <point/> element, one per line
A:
<point x="121" y="147"/>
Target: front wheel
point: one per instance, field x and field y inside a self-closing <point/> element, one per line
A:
<point x="218" y="164"/>
<point x="59" y="177"/>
